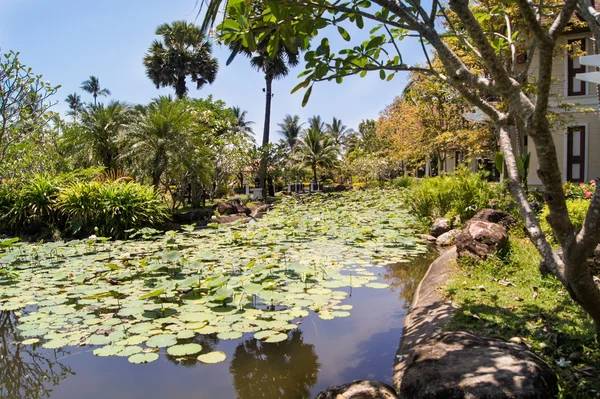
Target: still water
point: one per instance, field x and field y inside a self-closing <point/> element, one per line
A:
<point x="318" y="354"/>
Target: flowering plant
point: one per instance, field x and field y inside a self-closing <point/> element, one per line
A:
<point x="579" y="190"/>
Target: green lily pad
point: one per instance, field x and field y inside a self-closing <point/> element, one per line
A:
<point x="161" y="341"/>
<point x="213" y="357"/>
<point x="141" y="358"/>
<point x="184" y="349"/>
<point x="230" y="335"/>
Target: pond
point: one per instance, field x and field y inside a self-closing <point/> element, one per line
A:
<point x="312" y="295"/>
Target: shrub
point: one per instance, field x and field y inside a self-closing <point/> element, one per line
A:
<point x="577" y="210"/>
<point x="111" y="207"/>
<point x="29" y="206"/>
<point x="403" y="182"/>
<point x="579" y="190"/>
<point x="459" y="194"/>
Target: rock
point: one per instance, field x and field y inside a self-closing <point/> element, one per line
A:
<point x="447" y="239"/>
<point x="359" y="389"/>
<point x="225" y="209"/>
<point x="493" y="216"/>
<point x="464" y="365"/>
<point x="193" y="216"/>
<point x="241" y="207"/>
<point x="428" y="238"/>
<point x="439" y="227"/>
<point x="481" y="239"/>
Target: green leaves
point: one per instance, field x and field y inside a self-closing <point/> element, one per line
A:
<point x="343" y="33"/>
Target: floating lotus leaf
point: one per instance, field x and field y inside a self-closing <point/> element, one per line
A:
<point x="207" y="330"/>
<point x="129" y="351"/>
<point x="56" y="343"/>
<point x="99" y="340"/>
<point x="132" y="340"/>
<point x="276" y="338"/>
<point x="185" y="334"/>
<point x="184" y="349"/>
<point x="30" y="341"/>
<point x="212" y="357"/>
<point x="161" y="341"/>
<point x="377" y="285"/>
<point x="230" y="335"/>
<point x="109" y="350"/>
<point x="142" y="358"/>
<point x="326" y="315"/>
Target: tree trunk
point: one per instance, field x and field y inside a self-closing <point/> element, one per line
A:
<point x="180" y="87"/>
<point x="265" y="141"/>
<point x="194" y="192"/>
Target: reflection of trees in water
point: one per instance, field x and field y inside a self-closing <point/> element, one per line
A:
<point x="404" y="278"/>
<point x="26" y="371"/>
<point x="286" y="369"/>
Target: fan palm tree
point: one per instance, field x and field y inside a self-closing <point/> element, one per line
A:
<point x="92" y="86"/>
<point x="338" y="131"/>
<point x="157" y="136"/>
<point x="75" y="104"/>
<point x="241" y="124"/>
<point x="182" y="52"/>
<point x="96" y="138"/>
<point x="317" y="148"/>
<point x="290" y="129"/>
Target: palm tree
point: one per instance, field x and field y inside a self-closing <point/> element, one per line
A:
<point x="96" y="138"/>
<point x="183" y="52"/>
<point x="290" y="129"/>
<point x="157" y="136"/>
<point x="75" y="104"/>
<point x="241" y="124"/>
<point x="274" y="66"/>
<point x="92" y="86"/>
<point x="338" y="131"/>
<point x="317" y="148"/>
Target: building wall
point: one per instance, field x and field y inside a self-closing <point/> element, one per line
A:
<point x="571" y="118"/>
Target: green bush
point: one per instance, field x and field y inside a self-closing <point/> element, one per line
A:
<point x="41" y="204"/>
<point x="577" y="210"/>
<point x="404" y="182"/>
<point x="29" y="206"/>
<point x="110" y="208"/>
<point x="460" y="194"/>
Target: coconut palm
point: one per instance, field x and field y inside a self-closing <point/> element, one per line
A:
<point x="290" y="129"/>
<point x="92" y="86"/>
<point x="95" y="139"/>
<point x="156" y="137"/>
<point x="241" y="124"/>
<point x="182" y="52"/>
<point x="338" y="131"/>
<point x="317" y="148"/>
<point x="75" y="104"/>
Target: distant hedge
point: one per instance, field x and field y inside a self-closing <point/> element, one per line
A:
<point x="77" y="204"/>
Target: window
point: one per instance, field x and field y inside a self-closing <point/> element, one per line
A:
<point x="575" y="87"/>
<point x="576" y="154"/>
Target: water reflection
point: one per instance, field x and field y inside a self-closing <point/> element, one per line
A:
<point x="286" y="369"/>
<point x="26" y="371"/>
<point x="404" y="278"/>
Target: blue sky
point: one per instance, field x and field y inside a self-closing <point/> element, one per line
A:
<point x="68" y="40"/>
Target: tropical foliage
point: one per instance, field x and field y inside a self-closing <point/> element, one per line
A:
<point x="183" y="52"/>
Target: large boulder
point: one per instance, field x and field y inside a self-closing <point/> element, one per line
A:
<point x="493" y="216"/>
<point x="439" y="227"/>
<point x="464" y="365"/>
<point x="226" y="208"/>
<point x="447" y="239"/>
<point x="480" y="239"/>
<point x="359" y="389"/>
<point x="240" y="207"/>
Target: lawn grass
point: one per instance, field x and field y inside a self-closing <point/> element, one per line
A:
<point x="507" y="297"/>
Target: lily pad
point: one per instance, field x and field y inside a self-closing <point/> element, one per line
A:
<point x="184" y="349"/>
<point x="161" y="341"/>
<point x="213" y="357"/>
<point x="141" y="358"/>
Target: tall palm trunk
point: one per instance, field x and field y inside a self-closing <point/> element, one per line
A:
<point x="263" y="162"/>
<point x="180" y="88"/>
